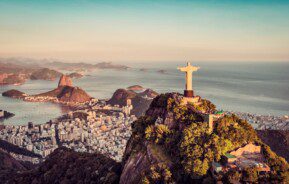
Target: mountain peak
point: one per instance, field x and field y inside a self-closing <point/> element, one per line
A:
<point x="65" y="80"/>
<point x="177" y="143"/>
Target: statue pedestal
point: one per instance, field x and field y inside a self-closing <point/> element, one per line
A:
<point x="189" y="93"/>
<point x="193" y="100"/>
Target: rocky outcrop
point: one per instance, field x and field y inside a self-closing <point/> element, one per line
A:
<point x="6" y="115"/>
<point x="13" y="93"/>
<point x="140" y="105"/>
<point x="45" y="74"/>
<point x="149" y="93"/>
<point x="145" y="159"/>
<point x="67" y="166"/>
<point x="140" y="101"/>
<point x="120" y="97"/>
<point x="64" y="80"/>
<point x="67" y="94"/>
<point x="64" y="93"/>
<point x="74" y="95"/>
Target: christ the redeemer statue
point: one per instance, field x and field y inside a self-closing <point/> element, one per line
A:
<point x="189" y="69"/>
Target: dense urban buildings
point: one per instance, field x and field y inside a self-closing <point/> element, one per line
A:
<point x="99" y="128"/>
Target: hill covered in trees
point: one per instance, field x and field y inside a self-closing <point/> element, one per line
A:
<point x="64" y="166"/>
<point x="172" y="143"/>
<point x="278" y="140"/>
<point x="45" y="74"/>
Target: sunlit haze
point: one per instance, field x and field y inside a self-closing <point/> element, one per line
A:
<point x="145" y="30"/>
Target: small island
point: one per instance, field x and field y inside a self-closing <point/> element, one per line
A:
<point x="162" y="71"/>
<point x="143" y="70"/>
<point x="5" y="115"/>
<point x="13" y="93"/>
<point x="75" y="75"/>
<point x="109" y="65"/>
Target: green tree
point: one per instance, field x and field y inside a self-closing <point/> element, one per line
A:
<point x="232" y="176"/>
<point x="250" y="175"/>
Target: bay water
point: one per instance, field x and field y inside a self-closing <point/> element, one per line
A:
<point x="255" y="87"/>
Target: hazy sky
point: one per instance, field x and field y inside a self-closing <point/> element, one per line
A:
<point x="245" y="30"/>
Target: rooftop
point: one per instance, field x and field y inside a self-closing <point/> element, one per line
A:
<point x="228" y="155"/>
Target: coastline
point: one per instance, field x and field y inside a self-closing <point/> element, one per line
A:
<point x="258" y="121"/>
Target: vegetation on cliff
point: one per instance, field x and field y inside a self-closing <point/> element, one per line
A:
<point x="205" y="106"/>
<point x="182" y="134"/>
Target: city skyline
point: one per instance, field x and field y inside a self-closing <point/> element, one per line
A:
<point x="145" y="30"/>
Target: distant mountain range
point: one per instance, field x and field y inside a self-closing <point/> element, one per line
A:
<point x="62" y="65"/>
<point x="17" y="70"/>
<point x="84" y="66"/>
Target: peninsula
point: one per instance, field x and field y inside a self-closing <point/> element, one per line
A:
<point x="65" y="93"/>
